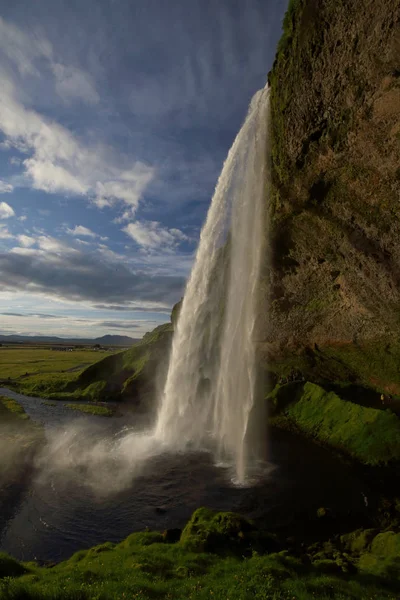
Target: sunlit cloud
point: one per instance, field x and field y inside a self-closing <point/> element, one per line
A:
<point x="6" y="211"/>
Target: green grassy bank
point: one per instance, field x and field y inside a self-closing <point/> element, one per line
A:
<point x="218" y="555"/>
<point x="370" y="435"/>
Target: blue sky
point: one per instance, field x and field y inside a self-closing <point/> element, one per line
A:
<point x="115" y="119"/>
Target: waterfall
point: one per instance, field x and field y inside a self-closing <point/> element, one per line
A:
<point x="210" y="387"/>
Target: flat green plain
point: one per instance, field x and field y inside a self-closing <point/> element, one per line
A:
<point x="29" y="368"/>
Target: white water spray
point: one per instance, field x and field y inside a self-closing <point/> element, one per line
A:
<point x="210" y="387"/>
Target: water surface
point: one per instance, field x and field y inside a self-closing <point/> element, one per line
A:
<point x="58" y="516"/>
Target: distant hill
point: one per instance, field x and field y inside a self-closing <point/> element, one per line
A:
<point x="105" y="340"/>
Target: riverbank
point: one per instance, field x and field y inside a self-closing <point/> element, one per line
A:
<point x="20" y="441"/>
<point x="218" y="555"/>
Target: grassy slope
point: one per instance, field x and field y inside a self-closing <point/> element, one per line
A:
<point x="234" y="567"/>
<point x="369" y="435"/>
<point x="130" y="374"/>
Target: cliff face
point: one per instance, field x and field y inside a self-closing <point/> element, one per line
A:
<point x="335" y="103"/>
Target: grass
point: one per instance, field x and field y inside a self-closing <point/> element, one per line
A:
<point x="40" y="371"/>
<point x="92" y="409"/>
<point x="86" y="374"/>
<point x="13" y="407"/>
<point x="145" y="566"/>
<point x="370" y="435"/>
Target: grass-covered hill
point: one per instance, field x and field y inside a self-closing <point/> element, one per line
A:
<point x="335" y="101"/>
<point x="130" y="375"/>
<point x="217" y="555"/>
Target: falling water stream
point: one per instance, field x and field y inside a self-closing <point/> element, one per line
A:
<point x="210" y="386"/>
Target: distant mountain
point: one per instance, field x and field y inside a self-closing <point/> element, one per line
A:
<point x="115" y="340"/>
<point x="105" y="340"/>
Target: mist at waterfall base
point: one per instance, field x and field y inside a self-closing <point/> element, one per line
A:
<point x="209" y="392"/>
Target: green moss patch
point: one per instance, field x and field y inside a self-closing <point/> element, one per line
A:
<point x="144" y="567"/>
<point x="13" y="407"/>
<point x="372" y="436"/>
<point x="91" y="409"/>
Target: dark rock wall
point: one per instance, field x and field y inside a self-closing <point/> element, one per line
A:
<point x="335" y="199"/>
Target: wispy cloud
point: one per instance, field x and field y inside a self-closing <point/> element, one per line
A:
<point x="5" y="188"/>
<point x="117" y="325"/>
<point x="4" y="233"/>
<point x="29" y="315"/>
<point x="25" y="49"/>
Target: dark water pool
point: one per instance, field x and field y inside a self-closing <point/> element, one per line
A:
<point x="59" y="515"/>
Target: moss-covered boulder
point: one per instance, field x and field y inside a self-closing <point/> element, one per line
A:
<point x="210" y="531"/>
<point x="383" y="559"/>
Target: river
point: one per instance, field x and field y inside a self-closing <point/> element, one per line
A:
<point x="58" y="515"/>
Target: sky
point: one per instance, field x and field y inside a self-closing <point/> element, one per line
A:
<point x="115" y="119"/>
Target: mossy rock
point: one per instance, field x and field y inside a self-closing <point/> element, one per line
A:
<point x="358" y="541"/>
<point x="143" y="538"/>
<point x="386" y="544"/>
<point x="384" y="558"/>
<point x="210" y="531"/>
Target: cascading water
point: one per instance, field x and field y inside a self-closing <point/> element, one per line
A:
<point x="210" y="387"/>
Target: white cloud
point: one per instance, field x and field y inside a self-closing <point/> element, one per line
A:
<point x="26" y="241"/>
<point x="6" y="211"/>
<point x="50" y="245"/>
<point x="4" y="233"/>
<point x="22" y="218"/>
<point x="62" y="163"/>
<point x="151" y="235"/>
<point x="81" y="230"/>
<point x="23" y="251"/>
<point x="5" y="188"/>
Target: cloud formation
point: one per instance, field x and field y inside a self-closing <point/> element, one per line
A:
<point x="5" y="188"/>
<point x="56" y="159"/>
<point x="6" y="211"/>
<point x="151" y="235"/>
<point x="57" y="270"/>
<point x="81" y="230"/>
<point x="26" y="241"/>
<point x="60" y="163"/>
<point x="26" y="50"/>
<point x="4" y="233"/>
